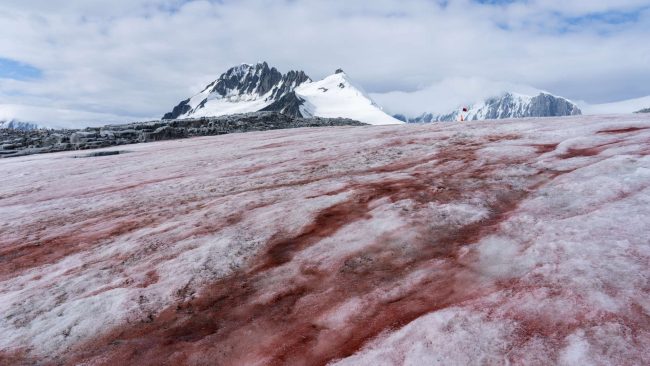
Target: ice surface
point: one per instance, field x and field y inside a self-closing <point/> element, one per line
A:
<point x="500" y="242"/>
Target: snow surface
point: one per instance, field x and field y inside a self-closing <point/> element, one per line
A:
<point x="623" y="106"/>
<point x="336" y="96"/>
<point x="509" y="242"/>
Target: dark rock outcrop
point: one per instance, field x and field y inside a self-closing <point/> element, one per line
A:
<point x="179" y="110"/>
<point x="246" y="79"/>
<point x="288" y="104"/>
<point x="401" y="117"/>
<point x="644" y="110"/>
<point x="25" y="142"/>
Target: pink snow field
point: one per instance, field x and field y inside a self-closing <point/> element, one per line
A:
<point x="517" y="242"/>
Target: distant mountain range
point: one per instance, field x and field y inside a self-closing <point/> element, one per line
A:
<point x="251" y="88"/>
<point x="19" y="125"/>
<point x="261" y="88"/>
<point x="507" y="105"/>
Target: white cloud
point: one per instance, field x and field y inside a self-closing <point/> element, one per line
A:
<point x="446" y="95"/>
<point x="59" y="117"/>
<point x="139" y="58"/>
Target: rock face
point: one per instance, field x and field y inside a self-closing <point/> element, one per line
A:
<point x="508" y="105"/>
<point x="26" y="142"/>
<point x="546" y="105"/>
<point x="289" y="104"/>
<point x="181" y="109"/>
<point x="244" y="88"/>
<point x="644" y="110"/>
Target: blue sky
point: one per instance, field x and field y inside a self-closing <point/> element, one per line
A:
<point x="11" y="69"/>
<point x="81" y="61"/>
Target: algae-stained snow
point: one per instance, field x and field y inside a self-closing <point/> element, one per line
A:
<point x="520" y="242"/>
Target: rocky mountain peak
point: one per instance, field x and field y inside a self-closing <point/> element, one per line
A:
<point x="243" y="83"/>
<point x="246" y="79"/>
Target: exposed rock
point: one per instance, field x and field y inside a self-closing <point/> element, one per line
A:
<point x="25" y="142"/>
<point x="246" y="83"/>
<point x="179" y="110"/>
<point x="401" y="117"/>
<point x="288" y="104"/>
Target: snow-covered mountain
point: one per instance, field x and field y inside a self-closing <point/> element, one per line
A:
<point x="19" y="125"/>
<point x="337" y="96"/>
<point x="507" y="105"/>
<point x="252" y="88"/>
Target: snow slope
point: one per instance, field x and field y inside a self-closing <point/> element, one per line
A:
<point x="624" y="106"/>
<point x="516" y="242"/>
<point x="337" y="96"/>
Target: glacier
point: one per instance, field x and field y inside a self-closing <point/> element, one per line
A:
<point x="510" y="242"/>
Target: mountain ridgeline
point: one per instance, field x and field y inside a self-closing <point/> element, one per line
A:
<point x="250" y="86"/>
<point x="253" y="88"/>
<point x="259" y="87"/>
<point x="507" y="105"/>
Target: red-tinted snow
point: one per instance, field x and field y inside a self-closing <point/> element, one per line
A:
<point x="506" y="242"/>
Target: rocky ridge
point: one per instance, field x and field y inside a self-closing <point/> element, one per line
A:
<point x="26" y="142"/>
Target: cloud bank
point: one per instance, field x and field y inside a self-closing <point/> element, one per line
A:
<point x="136" y="59"/>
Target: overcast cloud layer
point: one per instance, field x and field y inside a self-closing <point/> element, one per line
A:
<point x="135" y="59"/>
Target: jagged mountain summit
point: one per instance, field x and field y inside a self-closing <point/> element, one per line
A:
<point x="507" y="105"/>
<point x="241" y="89"/>
<point x="251" y="88"/>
